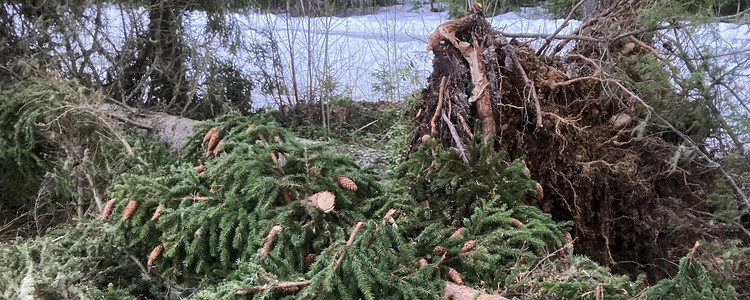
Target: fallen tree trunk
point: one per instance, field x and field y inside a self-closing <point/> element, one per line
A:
<point x="172" y="131"/>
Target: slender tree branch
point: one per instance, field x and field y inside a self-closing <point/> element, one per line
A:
<point x="560" y="28"/>
<point x="456" y="139"/>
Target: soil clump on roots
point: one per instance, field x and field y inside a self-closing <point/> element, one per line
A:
<point x="634" y="211"/>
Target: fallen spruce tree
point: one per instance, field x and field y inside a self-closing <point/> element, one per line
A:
<point x="245" y="211"/>
<point x="579" y="127"/>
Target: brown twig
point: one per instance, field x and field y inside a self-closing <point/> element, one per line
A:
<point x="350" y="241"/>
<point x="560" y="28"/>
<point x="465" y="125"/>
<point x="439" y="105"/>
<point x="574" y="80"/>
<point x="277" y="286"/>
<point x="272" y="154"/>
<point x="269" y="240"/>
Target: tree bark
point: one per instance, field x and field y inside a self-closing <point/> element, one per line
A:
<point x="172" y="131"/>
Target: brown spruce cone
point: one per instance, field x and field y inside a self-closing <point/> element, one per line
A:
<point x="455" y="277"/>
<point x="456" y="153"/>
<point x="346" y="183"/>
<point x="154" y="255"/>
<point x="468" y="246"/>
<point x="309" y="260"/>
<point x="457" y="232"/>
<point x="132" y="205"/>
<point x="250" y="127"/>
<point x="208" y="135"/>
<point x="539" y="191"/>
<point x="217" y="150"/>
<point x="425" y="138"/>
<point x="213" y="141"/>
<point x="157" y="213"/>
<point x="108" y="209"/>
<point x="569" y="237"/>
<point x="517" y="223"/>
<point x="200" y="168"/>
<point x="422" y="262"/>
<point x="439" y="250"/>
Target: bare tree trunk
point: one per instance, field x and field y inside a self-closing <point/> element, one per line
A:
<point x="172" y="131"/>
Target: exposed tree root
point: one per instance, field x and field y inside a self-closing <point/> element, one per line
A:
<point x="621" y="191"/>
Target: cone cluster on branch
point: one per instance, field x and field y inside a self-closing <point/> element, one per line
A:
<point x="208" y="135"/>
<point x="346" y="183"/>
<point x="132" y="205"/>
<point x="213" y="139"/>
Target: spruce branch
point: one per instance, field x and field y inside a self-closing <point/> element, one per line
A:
<point x="738" y="191"/>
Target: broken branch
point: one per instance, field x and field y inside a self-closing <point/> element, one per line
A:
<point x="350" y="241"/>
<point x="269" y="240"/>
<point x="456" y="139"/>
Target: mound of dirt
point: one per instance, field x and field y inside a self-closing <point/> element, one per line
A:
<point x="633" y="210"/>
